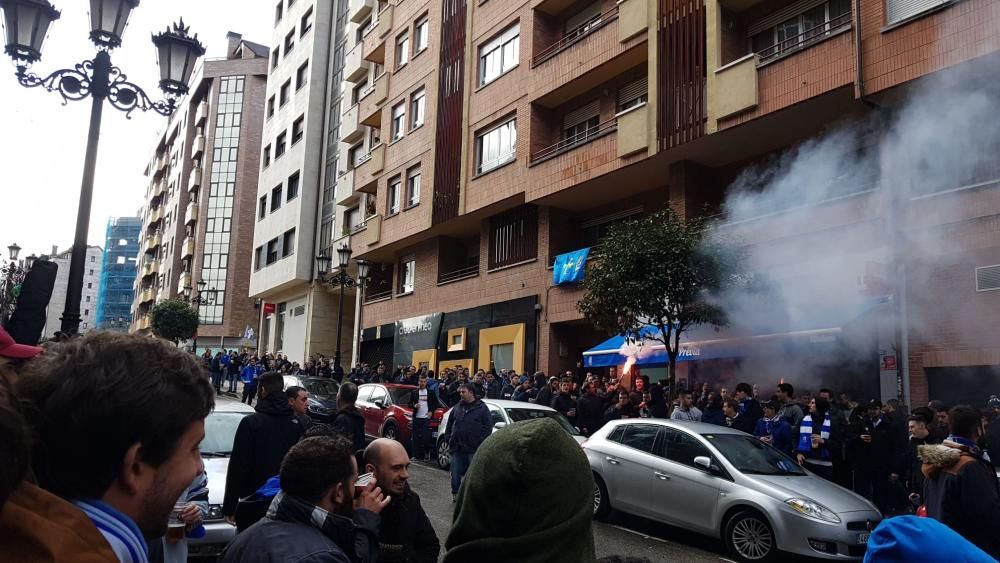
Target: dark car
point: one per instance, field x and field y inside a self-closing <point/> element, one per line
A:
<point x="387" y="412"/>
<point x="322" y="396"/>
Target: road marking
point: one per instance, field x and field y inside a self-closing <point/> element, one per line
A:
<point x="640" y="534"/>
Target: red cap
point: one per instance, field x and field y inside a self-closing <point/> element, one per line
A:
<point x="13" y="350"/>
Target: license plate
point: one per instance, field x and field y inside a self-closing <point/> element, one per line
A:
<point x="863" y="538"/>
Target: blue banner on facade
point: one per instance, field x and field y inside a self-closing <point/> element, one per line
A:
<point x="569" y="267"/>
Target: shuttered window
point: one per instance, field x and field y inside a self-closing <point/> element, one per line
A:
<point x="988" y="278"/>
<point x="582" y="21"/>
<point x="898" y="10"/>
<point x="513" y="236"/>
<point x="633" y="95"/>
<point x="580" y="124"/>
<point x="583" y="114"/>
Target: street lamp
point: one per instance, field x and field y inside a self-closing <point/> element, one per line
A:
<point x="202" y="297"/>
<point x="342" y="279"/>
<point x="26" y="23"/>
<point x="12" y="274"/>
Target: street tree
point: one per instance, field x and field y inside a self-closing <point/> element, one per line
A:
<point x="661" y="271"/>
<point x="174" y="320"/>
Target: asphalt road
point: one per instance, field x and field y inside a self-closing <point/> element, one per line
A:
<point x="621" y="535"/>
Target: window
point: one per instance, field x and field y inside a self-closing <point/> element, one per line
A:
<point x="496" y="146"/>
<point x="513" y="237"/>
<point x="297" y="127"/>
<point x="93" y="259"/>
<point x="633" y="95"/>
<point x="639" y="436"/>
<point x="279" y="144"/>
<point x="682" y="447"/>
<point x="289" y="42"/>
<point x="418" y="102"/>
<point x="395" y="187"/>
<point x="899" y="10"/>
<point x="120" y="260"/>
<point x="288" y="243"/>
<point x="420" y="34"/>
<point x="398" y="120"/>
<point x="86" y="312"/>
<point x="302" y="75"/>
<point x="771" y="38"/>
<point x="262" y="207"/>
<point x="272" y="251"/>
<point x="352" y="219"/>
<point x="91" y="271"/>
<point x="358" y="91"/>
<point x="279" y="11"/>
<point x="90" y="286"/>
<point x="499" y="55"/>
<point x="364" y="29"/>
<point x="258" y="258"/>
<point x="122" y="242"/>
<point x="276" y="198"/>
<point x="307" y="22"/>
<point x="283" y="93"/>
<point x="580" y="124"/>
<point x="407" y="274"/>
<point x="358" y="155"/>
<point x="413" y="186"/>
<point x="270" y="107"/>
<point x="402" y="49"/>
<point x="267" y="156"/>
<point x="275" y="56"/>
<point x="88" y="299"/>
<point x="293" y="187"/>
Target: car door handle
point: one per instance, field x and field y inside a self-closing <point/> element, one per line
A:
<point x="661" y="476"/>
<point x="612" y="460"/>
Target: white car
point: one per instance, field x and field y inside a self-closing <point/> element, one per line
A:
<point x="220" y="431"/>
<point x="504" y="413"/>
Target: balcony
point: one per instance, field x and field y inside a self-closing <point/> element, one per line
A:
<point x="372" y="99"/>
<point x="143" y="324"/>
<point x="198" y="146"/>
<point x="345" y="187"/>
<point x="150" y="268"/>
<point x="194" y="181"/>
<point x="367" y="233"/>
<point x="159" y="188"/>
<point x="191" y="214"/>
<point x="147" y="295"/>
<point x="184" y="280"/>
<point x="565" y="145"/>
<point x="201" y="114"/>
<point x="384" y="25"/>
<point x="358" y="10"/>
<point x="373" y="46"/>
<point x="575" y="35"/>
<point x="187" y="248"/>
<point x="368" y="169"/>
<point x="351" y="129"/>
<point x="355" y="66"/>
<point x="160" y="167"/>
<point x="153" y="242"/>
<point x="155" y="216"/>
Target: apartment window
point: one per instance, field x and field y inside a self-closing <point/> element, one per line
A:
<point x="90" y="286"/>
<point x="290" y="2"/>
<point x="272" y="251"/>
<point x="420" y="34"/>
<point x="293" y="187"/>
<point x="297" y="127"/>
<point x="86" y="312"/>
<point x="258" y="258"/>
<point x="358" y="155"/>
<point x="513" y="236"/>
<point x="402" y="49"/>
<point x="270" y="107"/>
<point x="418" y="103"/>
<point x="898" y="10"/>
<point x="88" y="297"/>
<point x="413" y="186"/>
<point x="398" y="120"/>
<point x="770" y="39"/>
<point x="275" y="56"/>
<point x="267" y="156"/>
<point x="496" y="146"/>
<point x="288" y="243"/>
<point x="262" y="207"/>
<point x="283" y="93"/>
<point x="289" y="42"/>
<point x="276" y="198"/>
<point x="93" y="259"/>
<point x="633" y="95"/>
<point x="358" y="91"/>
<point x="407" y="274"/>
<point x="279" y="144"/>
<point x="499" y="55"/>
<point x="364" y="29"/>
<point x="395" y="187"/>
<point x="302" y="75"/>
<point x="307" y="22"/>
<point x="352" y="219"/>
<point x="279" y="11"/>
<point x="580" y="124"/>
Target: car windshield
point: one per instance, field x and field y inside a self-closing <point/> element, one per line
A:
<point x="220" y="430"/>
<point x="320" y="387"/>
<point x="753" y="457"/>
<point x="400" y="395"/>
<point x="517" y="415"/>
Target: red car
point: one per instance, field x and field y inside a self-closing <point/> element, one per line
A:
<point x="387" y="412"/>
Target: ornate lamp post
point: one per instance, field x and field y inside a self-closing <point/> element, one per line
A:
<point x="26" y="23"/>
<point x="342" y="279"/>
<point x="11" y="277"/>
<point x="202" y="297"/>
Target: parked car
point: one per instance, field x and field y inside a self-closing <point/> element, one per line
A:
<point x="726" y="484"/>
<point x="220" y="431"/>
<point x="387" y="412"/>
<point x="504" y="413"/>
<point x="322" y="404"/>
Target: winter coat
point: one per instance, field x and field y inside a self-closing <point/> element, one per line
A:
<point x="751" y="412"/>
<point x="261" y="442"/>
<point x="713" y="416"/>
<point x="493" y="390"/>
<point x="469" y="426"/>
<point x="884" y="453"/>
<point x="524" y="396"/>
<point x="742" y="423"/>
<point x="590" y="413"/>
<point x="961" y="491"/>
<point x="780" y="432"/>
<point x="563" y="403"/>
<point x="507" y="393"/>
<point x="406" y="533"/>
<point x="351" y="423"/>
<point x="544" y="396"/>
<point x="910" y="466"/>
<point x="274" y="541"/>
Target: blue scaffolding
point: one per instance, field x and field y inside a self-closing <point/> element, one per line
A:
<point x="121" y="250"/>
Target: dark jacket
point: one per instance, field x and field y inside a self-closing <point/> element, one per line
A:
<point x="713" y="416"/>
<point x="962" y="492"/>
<point x="780" y="432"/>
<point x="590" y="413"/>
<point x="493" y="390"/>
<point x="563" y="403"/>
<point x="911" y="475"/>
<point x="406" y="532"/>
<point x="261" y="442"/>
<point x="743" y="423"/>
<point x="274" y="541"/>
<point x="433" y="403"/>
<point x="750" y="410"/>
<point x="884" y="453"/>
<point x="469" y="426"/>
<point x="544" y="396"/>
<point x="507" y="392"/>
<point x="351" y="423"/>
<point x="524" y="396"/>
<point x="993" y="442"/>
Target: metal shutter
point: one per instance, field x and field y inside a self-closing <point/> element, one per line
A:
<point x="582" y="17"/>
<point x="785" y="14"/>
<point x="632" y="91"/>
<point x="987" y="278"/>
<point x="576" y="117"/>
<point x="896" y="10"/>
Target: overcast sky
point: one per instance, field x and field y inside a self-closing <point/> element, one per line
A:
<point x="43" y="142"/>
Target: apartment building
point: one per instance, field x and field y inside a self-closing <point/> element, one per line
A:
<point x="117" y="286"/>
<point x="483" y="139"/>
<point x="202" y="196"/>
<point x="296" y="195"/>
<point x="88" y="297"/>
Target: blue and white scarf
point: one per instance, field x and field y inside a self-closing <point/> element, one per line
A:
<point x="805" y="438"/>
<point x="119" y="530"/>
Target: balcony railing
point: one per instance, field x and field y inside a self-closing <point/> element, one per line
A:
<point x="576" y="140"/>
<point x="378" y="295"/>
<point x="459" y="274"/>
<point x="805" y="39"/>
<point x="575" y="35"/>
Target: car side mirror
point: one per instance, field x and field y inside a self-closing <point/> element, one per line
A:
<point x="705" y="462"/>
<point x="380" y="405"/>
<point x="499" y="425"/>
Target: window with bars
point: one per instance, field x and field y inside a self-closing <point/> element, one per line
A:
<point x="513" y="237"/>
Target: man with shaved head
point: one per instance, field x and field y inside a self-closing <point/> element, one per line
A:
<point x="406" y="534"/>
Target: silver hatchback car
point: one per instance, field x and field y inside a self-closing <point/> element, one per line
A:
<point x="725" y="484"/>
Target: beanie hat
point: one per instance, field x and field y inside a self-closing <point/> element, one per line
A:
<point x="534" y="460"/>
<point x="909" y="538"/>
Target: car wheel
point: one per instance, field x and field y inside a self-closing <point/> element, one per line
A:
<point x="390" y="431"/>
<point x="444" y="454"/>
<point x="602" y="503"/>
<point x="749" y="537"/>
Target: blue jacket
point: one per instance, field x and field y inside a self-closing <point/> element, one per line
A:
<point x="908" y="538"/>
<point x="250" y="374"/>
<point x="469" y="426"/>
<point x="780" y="432"/>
